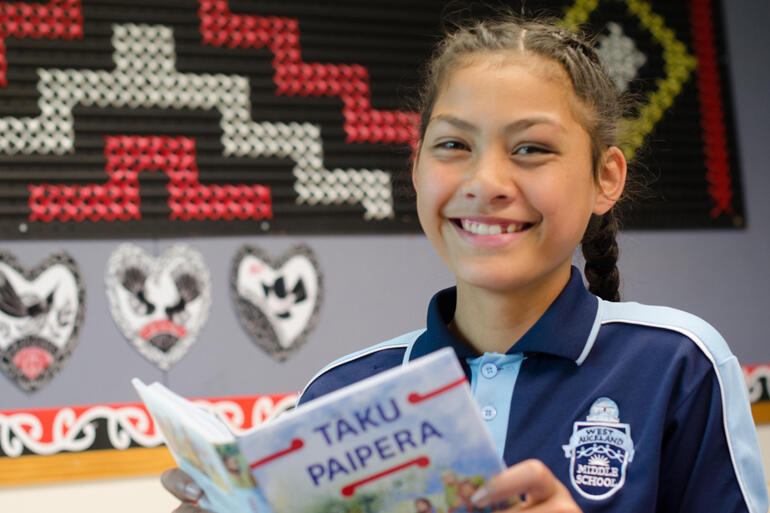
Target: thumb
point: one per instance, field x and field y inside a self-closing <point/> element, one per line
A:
<point x="530" y="479"/>
<point x="181" y="485"/>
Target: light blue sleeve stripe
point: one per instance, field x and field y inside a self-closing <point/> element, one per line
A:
<point x="739" y="427"/>
<point x="405" y="340"/>
<point x="743" y="435"/>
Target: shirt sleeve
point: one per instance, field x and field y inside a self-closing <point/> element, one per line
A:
<point x="706" y="461"/>
<point x="349" y="370"/>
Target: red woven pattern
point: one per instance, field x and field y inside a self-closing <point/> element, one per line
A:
<point x="58" y="19"/>
<point x="710" y="99"/>
<point x="119" y="199"/>
<point x="220" y="27"/>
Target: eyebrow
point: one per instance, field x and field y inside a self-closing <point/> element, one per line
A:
<point x="515" y="126"/>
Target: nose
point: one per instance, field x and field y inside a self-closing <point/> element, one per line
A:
<point x="490" y="179"/>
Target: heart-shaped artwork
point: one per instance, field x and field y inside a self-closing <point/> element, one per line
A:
<point x="160" y="304"/>
<point x="277" y="301"/>
<point x="41" y="311"/>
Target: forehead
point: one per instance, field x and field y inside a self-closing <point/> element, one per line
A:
<point x="546" y="67"/>
<point x="508" y="79"/>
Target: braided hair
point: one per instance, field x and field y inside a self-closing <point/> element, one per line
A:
<point x="600" y="109"/>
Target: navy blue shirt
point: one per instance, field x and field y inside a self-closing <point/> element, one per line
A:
<point x="634" y="408"/>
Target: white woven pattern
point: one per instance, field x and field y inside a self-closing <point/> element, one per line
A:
<point x="145" y="76"/>
<point x="620" y="56"/>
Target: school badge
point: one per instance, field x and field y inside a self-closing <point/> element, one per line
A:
<point x="160" y="304"/>
<point x="41" y="311"/>
<point x="277" y="301"/>
<point x="599" y="450"/>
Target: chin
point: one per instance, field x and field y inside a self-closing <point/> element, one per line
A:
<point x="508" y="277"/>
<point x="492" y="281"/>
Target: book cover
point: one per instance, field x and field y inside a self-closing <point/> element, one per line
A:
<point x="407" y="440"/>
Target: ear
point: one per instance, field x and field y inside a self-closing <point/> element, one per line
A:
<point x="611" y="180"/>
<point x="415" y="157"/>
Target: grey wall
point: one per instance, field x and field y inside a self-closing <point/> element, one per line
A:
<point x="377" y="287"/>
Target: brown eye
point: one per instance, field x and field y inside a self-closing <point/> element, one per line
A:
<point x="530" y="150"/>
<point x="451" y="145"/>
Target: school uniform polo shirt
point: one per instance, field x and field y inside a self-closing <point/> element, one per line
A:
<point x="634" y="408"/>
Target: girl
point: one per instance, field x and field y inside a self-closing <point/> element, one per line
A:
<point x="596" y="405"/>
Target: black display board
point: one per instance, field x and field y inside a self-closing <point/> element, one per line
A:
<point x="127" y="118"/>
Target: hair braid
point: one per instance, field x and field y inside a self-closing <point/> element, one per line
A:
<point x="600" y="249"/>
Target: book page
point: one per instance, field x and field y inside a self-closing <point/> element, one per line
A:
<point x="213" y="461"/>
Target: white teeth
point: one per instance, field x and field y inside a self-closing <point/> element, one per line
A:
<point x="489" y="229"/>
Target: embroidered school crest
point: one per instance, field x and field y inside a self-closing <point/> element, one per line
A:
<point x="599" y="450"/>
<point x="277" y="301"/>
<point x="41" y="311"/>
<point x="160" y="304"/>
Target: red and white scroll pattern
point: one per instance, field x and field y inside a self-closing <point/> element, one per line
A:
<point x="758" y="381"/>
<point x="74" y="428"/>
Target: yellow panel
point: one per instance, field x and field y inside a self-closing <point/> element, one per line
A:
<point x="98" y="464"/>
<point x="761" y="412"/>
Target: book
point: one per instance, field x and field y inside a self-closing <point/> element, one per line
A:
<point x="407" y="440"/>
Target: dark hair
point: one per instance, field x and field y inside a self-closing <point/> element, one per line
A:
<point x="600" y="109"/>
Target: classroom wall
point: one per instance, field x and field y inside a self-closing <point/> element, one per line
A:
<point x="378" y="287"/>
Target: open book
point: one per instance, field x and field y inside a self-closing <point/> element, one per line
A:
<point x="407" y="440"/>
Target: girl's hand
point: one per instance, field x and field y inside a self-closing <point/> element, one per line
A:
<point x="533" y="480"/>
<point x="183" y="488"/>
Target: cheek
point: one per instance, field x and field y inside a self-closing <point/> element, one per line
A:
<point x="432" y="191"/>
<point x="565" y="205"/>
<point x="425" y="203"/>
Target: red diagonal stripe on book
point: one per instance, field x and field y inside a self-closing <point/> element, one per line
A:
<point x="422" y="461"/>
<point x="295" y="445"/>
<point x="58" y="19"/>
<point x="415" y="398"/>
<point x="293" y="76"/>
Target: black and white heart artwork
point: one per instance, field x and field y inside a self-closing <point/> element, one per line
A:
<point x="41" y="312"/>
<point x="160" y="304"/>
<point x="277" y="301"/>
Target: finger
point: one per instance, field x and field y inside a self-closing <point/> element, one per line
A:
<point x="187" y="507"/>
<point x="181" y="485"/>
<point x="530" y="478"/>
<point x="560" y="505"/>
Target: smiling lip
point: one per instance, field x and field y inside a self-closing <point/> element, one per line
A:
<point x="489" y="232"/>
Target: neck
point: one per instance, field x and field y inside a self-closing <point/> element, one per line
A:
<point x="491" y="321"/>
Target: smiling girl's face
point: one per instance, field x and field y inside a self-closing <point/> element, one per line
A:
<point x="504" y="174"/>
